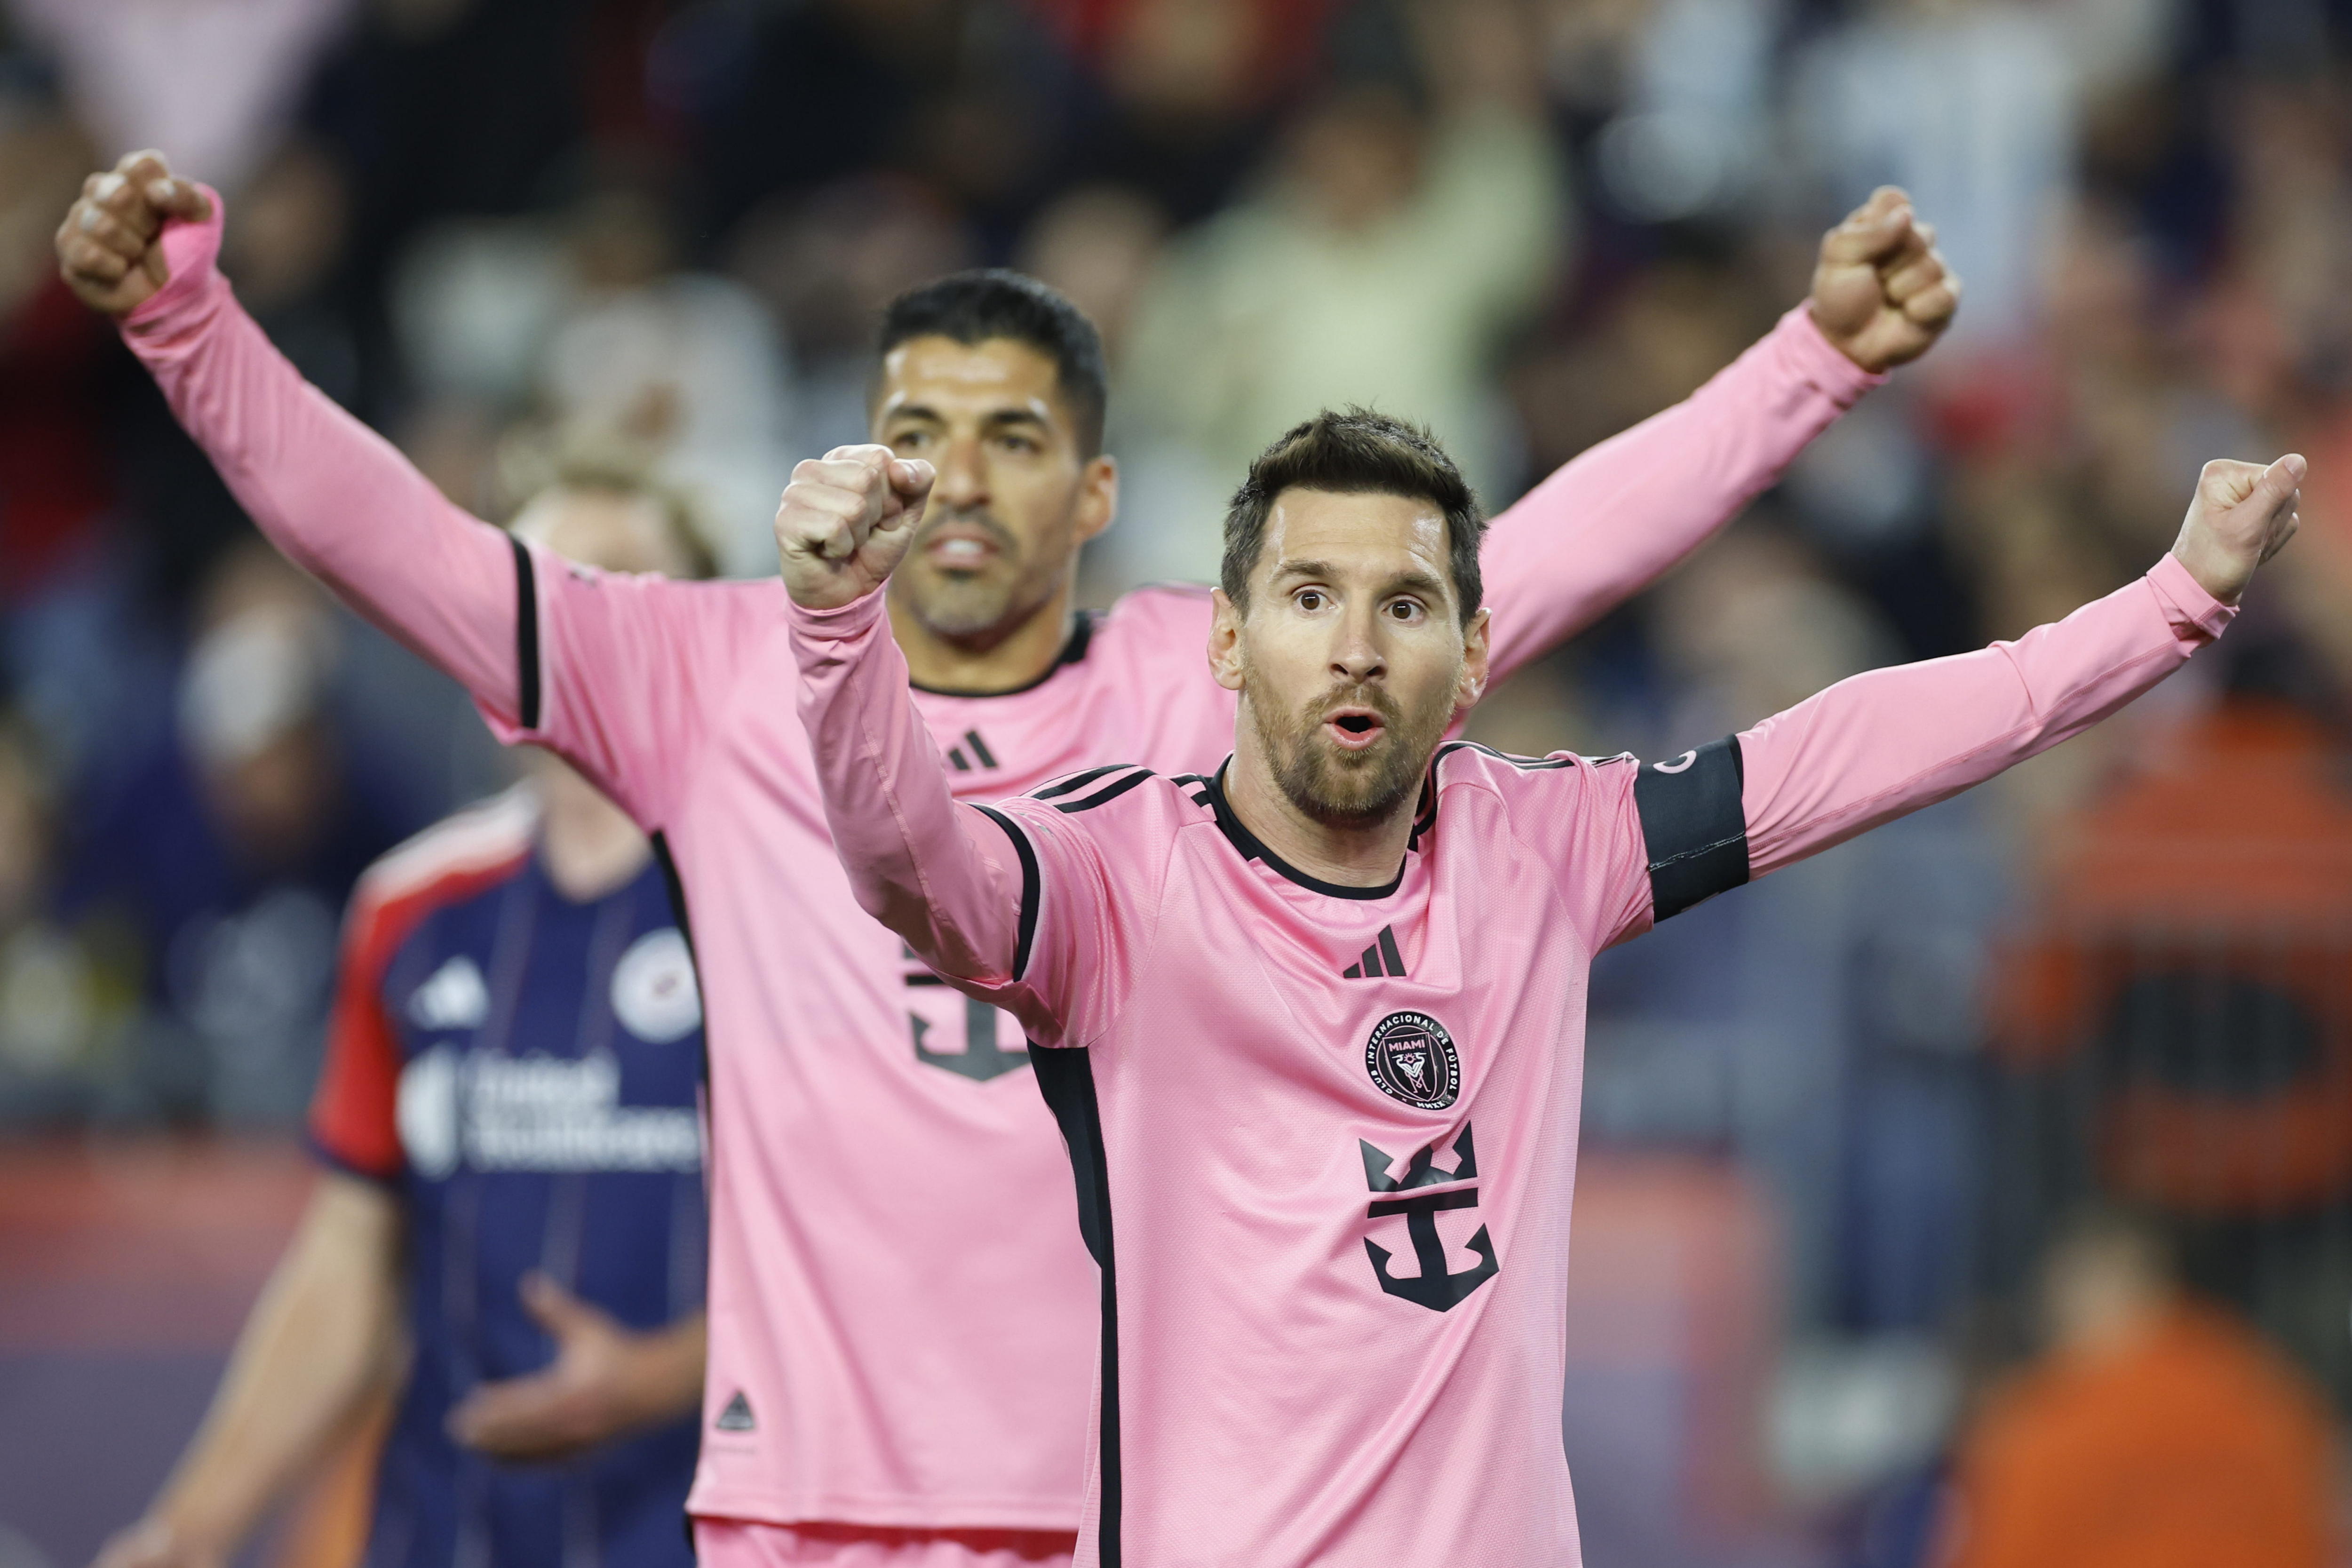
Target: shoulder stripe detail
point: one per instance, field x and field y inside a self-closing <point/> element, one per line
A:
<point x="1103" y="796"/>
<point x="1693" y="825"/>
<point x="1075" y="782"/>
<point x="1020" y="846"/>
<point x="1525" y="764"/>
<point x="474" y="840"/>
<point x="526" y="635"/>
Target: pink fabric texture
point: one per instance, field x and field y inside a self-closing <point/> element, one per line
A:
<point x="1333" y="1197"/>
<point x="868" y="1362"/>
<point x="733" y="1543"/>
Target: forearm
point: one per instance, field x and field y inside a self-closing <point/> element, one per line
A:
<point x="1890" y="742"/>
<point x="321" y="1339"/>
<point x="1610" y="522"/>
<point x="336" y="498"/>
<point x="939" y="874"/>
<point x="667" y="1379"/>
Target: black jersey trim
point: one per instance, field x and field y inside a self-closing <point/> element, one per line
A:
<point x="1693" y="826"/>
<point x="1247" y="843"/>
<point x="1022" y="847"/>
<point x="1074" y="651"/>
<point x="675" y="887"/>
<point x="1103" y="796"/>
<point x="1075" y="782"/>
<point x="1066" y="1078"/>
<point x="526" y="634"/>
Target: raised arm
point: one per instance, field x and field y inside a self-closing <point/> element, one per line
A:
<point x="1889" y="741"/>
<point x="1608" y="524"/>
<point x="943" y="875"/>
<point x="335" y="496"/>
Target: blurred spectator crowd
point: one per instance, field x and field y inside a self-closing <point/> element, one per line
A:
<point x="506" y="230"/>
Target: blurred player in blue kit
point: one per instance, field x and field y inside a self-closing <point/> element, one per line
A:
<point x="508" y="1238"/>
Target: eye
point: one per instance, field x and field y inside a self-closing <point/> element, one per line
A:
<point x="1022" y="444"/>
<point x="1408" y="611"/>
<point x="1310" y="599"/>
<point x="910" y="441"/>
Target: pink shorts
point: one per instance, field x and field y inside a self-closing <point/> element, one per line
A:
<point x="741" y="1544"/>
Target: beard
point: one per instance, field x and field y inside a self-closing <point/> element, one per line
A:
<point x="1345" y="789"/>
<point x="978" y="606"/>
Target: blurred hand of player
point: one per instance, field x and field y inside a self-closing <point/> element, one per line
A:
<point x="106" y="247"/>
<point x="845" y="522"/>
<point x="156" y="1542"/>
<point x="1881" y="292"/>
<point x="2243" y="514"/>
<point x="606" y="1380"/>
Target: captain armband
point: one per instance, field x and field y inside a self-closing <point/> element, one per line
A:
<point x="1694" y="827"/>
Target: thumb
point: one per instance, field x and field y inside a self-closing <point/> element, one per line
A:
<point x="911" y="478"/>
<point x="556" y="1310"/>
<point x="181" y="199"/>
<point x="1873" y="230"/>
<point x="2282" y="478"/>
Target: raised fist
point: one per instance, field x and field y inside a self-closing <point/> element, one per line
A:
<point x="2243" y="514"/>
<point x="1881" y="292"/>
<point x="107" y="247"/>
<point x="845" y="522"/>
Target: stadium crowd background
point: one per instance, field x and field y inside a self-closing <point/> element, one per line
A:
<point x="1824" y="1172"/>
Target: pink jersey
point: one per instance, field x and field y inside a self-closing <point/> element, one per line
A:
<point x="869" y="1363"/>
<point x="1326" y="1136"/>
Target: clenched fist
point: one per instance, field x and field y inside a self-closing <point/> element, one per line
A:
<point x="846" y="520"/>
<point x="2243" y="514"/>
<point x="1881" y="292"/>
<point x="107" y="247"/>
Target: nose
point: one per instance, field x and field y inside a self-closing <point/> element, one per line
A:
<point x="1357" y="656"/>
<point x="963" y="479"/>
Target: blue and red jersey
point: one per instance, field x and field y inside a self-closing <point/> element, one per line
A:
<point x="524" y="1070"/>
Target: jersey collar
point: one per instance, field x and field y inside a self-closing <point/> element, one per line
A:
<point x="1251" y="849"/>
<point x="1082" y="632"/>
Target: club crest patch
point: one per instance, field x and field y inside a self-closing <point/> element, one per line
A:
<point x="1411" y="1059"/>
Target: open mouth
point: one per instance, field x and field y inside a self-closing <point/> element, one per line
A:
<point x="960" y="551"/>
<point x="1354" y="728"/>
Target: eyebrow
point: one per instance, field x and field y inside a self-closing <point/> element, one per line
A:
<point x="1416" y="581"/>
<point x="997" y="420"/>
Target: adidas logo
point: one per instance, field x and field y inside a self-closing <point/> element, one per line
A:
<point x="737" y="1416"/>
<point x="1381" y="958"/>
<point x="977" y="747"/>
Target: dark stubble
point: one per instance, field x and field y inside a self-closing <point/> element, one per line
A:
<point x="1349" y="789"/>
<point x="975" y="607"/>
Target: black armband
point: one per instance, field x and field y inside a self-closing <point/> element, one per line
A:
<point x="1694" y="827"/>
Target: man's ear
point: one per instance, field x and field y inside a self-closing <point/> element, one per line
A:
<point x="1475" y="653"/>
<point x="1097" y="496"/>
<point x="1225" y="642"/>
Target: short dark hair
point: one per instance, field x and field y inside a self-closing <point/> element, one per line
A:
<point x="998" y="302"/>
<point x="1356" y="451"/>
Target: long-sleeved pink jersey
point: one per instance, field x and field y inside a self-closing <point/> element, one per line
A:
<point x="1326" y="1136"/>
<point x="868" y="1362"/>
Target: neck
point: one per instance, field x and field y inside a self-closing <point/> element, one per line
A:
<point x="1003" y="658"/>
<point x="1358" y="856"/>
<point x="588" y="845"/>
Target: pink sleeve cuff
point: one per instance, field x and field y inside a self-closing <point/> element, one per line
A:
<point x="1821" y="362"/>
<point x="837" y="624"/>
<point x="190" y="252"/>
<point x="2186" y="603"/>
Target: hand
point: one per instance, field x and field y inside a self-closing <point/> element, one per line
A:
<point x="106" y="247"/>
<point x="2242" y="515"/>
<point x="155" y="1543"/>
<point x="1881" y="291"/>
<point x="846" y="520"/>
<point x="606" y="1381"/>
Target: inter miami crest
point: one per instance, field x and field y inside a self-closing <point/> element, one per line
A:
<point x="1411" y="1057"/>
